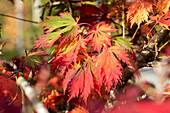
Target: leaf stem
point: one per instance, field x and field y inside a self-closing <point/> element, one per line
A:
<point x="135" y="33"/>
<point x="151" y="30"/>
<point x="163" y="45"/>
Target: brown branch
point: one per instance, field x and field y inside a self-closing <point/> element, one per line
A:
<point x="146" y="55"/>
<point x="18" y="18"/>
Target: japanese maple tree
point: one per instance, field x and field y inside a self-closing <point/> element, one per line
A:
<point x="90" y="63"/>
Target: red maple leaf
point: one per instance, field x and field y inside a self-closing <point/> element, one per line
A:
<point x="79" y="109"/>
<point x="67" y="55"/>
<point x="107" y="67"/>
<point x="163" y="20"/>
<point x="94" y="14"/>
<point x="138" y="12"/>
<point x="80" y="80"/>
<point x="100" y="35"/>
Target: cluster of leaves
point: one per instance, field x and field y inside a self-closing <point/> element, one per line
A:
<point x="86" y="56"/>
<point x="139" y="12"/>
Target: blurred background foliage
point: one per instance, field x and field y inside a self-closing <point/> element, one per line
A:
<point x="21" y="34"/>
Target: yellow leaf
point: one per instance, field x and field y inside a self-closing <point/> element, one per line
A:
<point x="163" y="6"/>
<point x="138" y="12"/>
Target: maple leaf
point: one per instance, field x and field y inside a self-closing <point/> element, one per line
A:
<point x="94" y="14"/>
<point x="80" y="80"/>
<point x="107" y="68"/>
<point x="124" y="43"/>
<point x="33" y="59"/>
<point x="55" y="26"/>
<point x="79" y="109"/>
<point x="10" y="97"/>
<point x="163" y="6"/>
<point x="163" y="20"/>
<point x="100" y="36"/>
<point x="68" y="54"/>
<point x="138" y="12"/>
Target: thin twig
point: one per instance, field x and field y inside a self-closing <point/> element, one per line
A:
<point x="123" y="18"/>
<point x="51" y="7"/>
<point x="135" y="33"/>
<point x="19" y="18"/>
<point x="70" y="7"/>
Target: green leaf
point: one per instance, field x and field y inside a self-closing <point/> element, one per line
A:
<point x="33" y="59"/>
<point x="55" y="26"/>
<point x="124" y="43"/>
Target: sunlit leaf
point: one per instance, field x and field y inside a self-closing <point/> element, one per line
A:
<point x="107" y="67"/>
<point x="55" y="26"/>
<point x="163" y="6"/>
<point x="124" y="43"/>
<point x="100" y="36"/>
<point x="80" y="80"/>
<point x="138" y="12"/>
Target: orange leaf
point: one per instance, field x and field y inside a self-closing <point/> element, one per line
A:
<point x="100" y="36"/>
<point x="163" y="6"/>
<point x="79" y="110"/>
<point x="69" y="53"/>
<point x="80" y="80"/>
<point x="138" y="12"/>
<point x="163" y="19"/>
<point x="107" y="68"/>
<point x="50" y="99"/>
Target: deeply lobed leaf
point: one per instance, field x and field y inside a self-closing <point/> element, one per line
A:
<point x="163" y="6"/>
<point x="124" y="43"/>
<point x="80" y="80"/>
<point x="79" y="110"/>
<point x="100" y="36"/>
<point x="107" y="67"/>
<point x="163" y="20"/>
<point x="138" y="12"/>
<point x="69" y="53"/>
<point x="55" y="26"/>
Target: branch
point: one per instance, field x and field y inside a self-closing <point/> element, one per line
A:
<point x="31" y="94"/>
<point x="111" y="102"/>
<point x="146" y="55"/>
<point x="18" y="18"/>
<point x="70" y="7"/>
